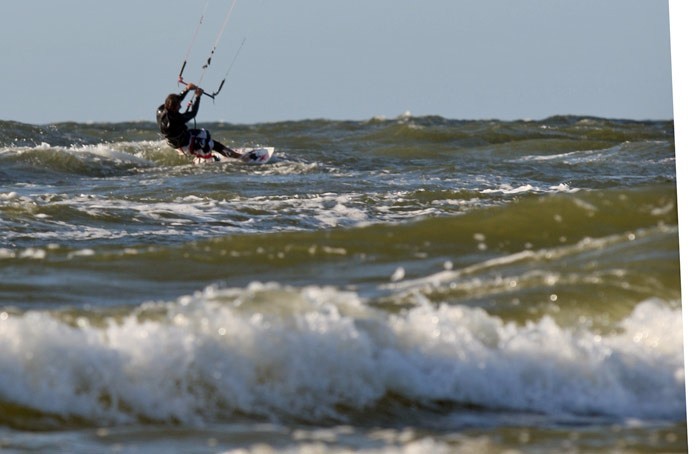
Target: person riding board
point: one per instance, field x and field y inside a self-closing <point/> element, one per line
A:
<point x="173" y="126"/>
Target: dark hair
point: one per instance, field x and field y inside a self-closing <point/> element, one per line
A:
<point x="172" y="101"/>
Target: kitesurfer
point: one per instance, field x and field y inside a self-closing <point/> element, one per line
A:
<point x="173" y="126"/>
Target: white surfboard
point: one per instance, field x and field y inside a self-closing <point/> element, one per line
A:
<point x="258" y="155"/>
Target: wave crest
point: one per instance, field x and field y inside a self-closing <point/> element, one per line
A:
<point x="323" y="355"/>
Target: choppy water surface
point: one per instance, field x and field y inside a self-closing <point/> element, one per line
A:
<point x="405" y="285"/>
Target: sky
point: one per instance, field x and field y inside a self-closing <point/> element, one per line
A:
<point x="80" y="60"/>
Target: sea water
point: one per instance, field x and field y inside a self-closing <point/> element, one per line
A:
<point x="392" y="285"/>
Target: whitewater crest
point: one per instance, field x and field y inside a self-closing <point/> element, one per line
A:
<point x="321" y="354"/>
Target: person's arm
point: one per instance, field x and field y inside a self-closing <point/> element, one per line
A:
<point x="195" y="107"/>
<point x="187" y="89"/>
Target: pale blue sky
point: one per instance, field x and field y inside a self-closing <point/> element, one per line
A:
<point x="83" y="60"/>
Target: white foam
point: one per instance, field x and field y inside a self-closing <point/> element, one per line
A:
<point x="112" y="153"/>
<point x="8" y="196"/>
<point x="206" y="216"/>
<point x="33" y="253"/>
<point x="109" y="152"/>
<point x="509" y="189"/>
<point x="271" y="351"/>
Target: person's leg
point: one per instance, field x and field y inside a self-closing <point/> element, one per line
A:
<point x="224" y="150"/>
<point x="200" y="141"/>
<point x="202" y="144"/>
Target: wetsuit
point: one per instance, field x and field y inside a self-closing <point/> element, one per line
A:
<point x="173" y="126"/>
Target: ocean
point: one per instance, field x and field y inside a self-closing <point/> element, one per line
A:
<point x="401" y="285"/>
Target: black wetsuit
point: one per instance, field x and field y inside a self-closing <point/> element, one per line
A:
<point x="173" y="125"/>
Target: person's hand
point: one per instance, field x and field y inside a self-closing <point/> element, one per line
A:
<point x="198" y="92"/>
<point x="191" y="86"/>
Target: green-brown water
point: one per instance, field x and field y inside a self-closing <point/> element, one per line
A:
<point x="415" y="285"/>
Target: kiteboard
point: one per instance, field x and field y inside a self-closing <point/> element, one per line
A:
<point x="257" y="155"/>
